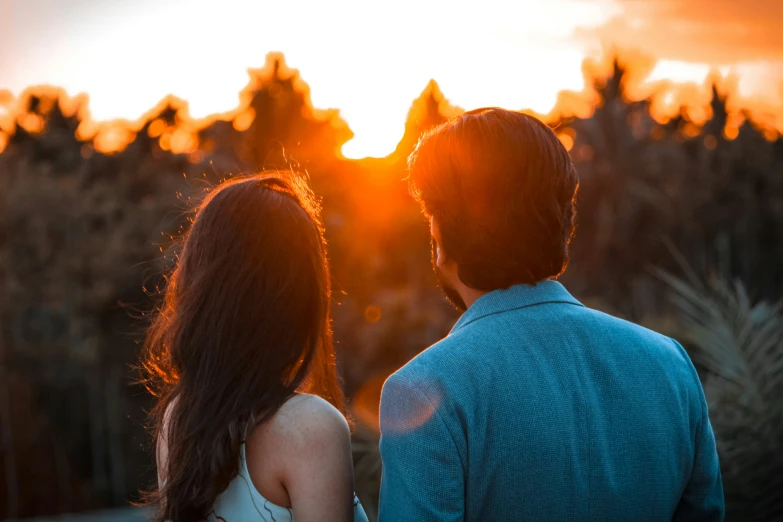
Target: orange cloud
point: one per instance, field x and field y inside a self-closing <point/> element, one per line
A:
<point x="706" y="31"/>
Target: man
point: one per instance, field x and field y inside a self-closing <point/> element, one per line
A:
<point x="534" y="407"/>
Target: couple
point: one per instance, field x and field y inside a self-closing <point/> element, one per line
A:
<point x="534" y="407"/>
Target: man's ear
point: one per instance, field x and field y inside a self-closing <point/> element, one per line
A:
<point x="441" y="259"/>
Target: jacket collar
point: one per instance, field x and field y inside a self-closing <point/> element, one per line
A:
<point x="513" y="298"/>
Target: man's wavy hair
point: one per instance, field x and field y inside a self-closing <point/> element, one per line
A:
<point x="501" y="188"/>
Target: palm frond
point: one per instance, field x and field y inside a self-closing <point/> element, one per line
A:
<point x="738" y="345"/>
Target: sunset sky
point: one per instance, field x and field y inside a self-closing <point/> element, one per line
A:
<point x="371" y="59"/>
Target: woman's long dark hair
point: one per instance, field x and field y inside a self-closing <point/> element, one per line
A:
<point x="245" y="324"/>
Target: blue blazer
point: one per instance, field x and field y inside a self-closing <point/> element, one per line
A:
<point x="535" y="407"/>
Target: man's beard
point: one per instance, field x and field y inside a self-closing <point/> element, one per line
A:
<point x="451" y="293"/>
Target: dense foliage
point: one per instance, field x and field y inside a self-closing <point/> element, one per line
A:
<point x="85" y="236"/>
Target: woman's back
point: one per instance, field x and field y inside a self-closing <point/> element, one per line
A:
<point x="300" y="453"/>
<point x="242" y="501"/>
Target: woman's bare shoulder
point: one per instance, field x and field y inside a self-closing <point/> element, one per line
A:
<point x="306" y="420"/>
<point x="307" y="435"/>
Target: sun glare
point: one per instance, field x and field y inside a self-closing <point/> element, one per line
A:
<point x="368" y="61"/>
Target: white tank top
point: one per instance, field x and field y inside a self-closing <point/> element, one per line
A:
<point x="242" y="502"/>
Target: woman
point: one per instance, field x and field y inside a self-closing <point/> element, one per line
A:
<point x="248" y="423"/>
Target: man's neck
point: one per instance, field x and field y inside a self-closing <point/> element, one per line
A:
<point x="470" y="295"/>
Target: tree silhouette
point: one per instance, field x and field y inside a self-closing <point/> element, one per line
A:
<point x="430" y="109"/>
<point x="285" y="127"/>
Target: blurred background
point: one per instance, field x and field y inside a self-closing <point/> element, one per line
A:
<point x="117" y="117"/>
